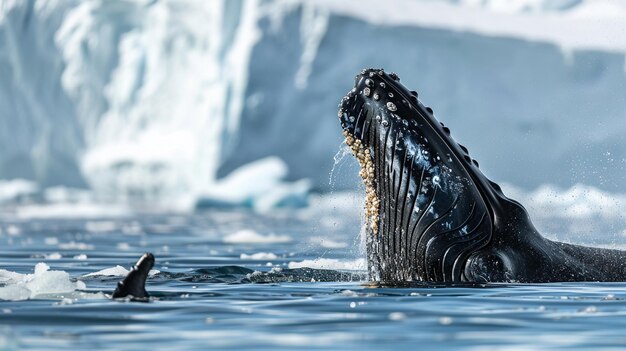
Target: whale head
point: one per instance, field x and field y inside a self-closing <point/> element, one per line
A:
<point x="431" y="214"/>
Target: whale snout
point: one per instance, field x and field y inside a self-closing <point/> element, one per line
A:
<point x="424" y="213"/>
<point x="374" y="98"/>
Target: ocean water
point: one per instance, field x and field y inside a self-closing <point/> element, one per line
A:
<point x="233" y="280"/>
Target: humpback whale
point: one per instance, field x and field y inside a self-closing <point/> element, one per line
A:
<point x="432" y="215"/>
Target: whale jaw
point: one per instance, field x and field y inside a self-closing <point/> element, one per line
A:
<point x="431" y="215"/>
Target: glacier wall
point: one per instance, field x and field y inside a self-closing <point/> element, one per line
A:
<point x="154" y="99"/>
<point x="132" y="99"/>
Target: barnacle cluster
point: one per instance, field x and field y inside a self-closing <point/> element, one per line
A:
<point x="372" y="203"/>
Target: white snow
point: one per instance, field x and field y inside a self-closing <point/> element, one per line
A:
<point x="590" y="24"/>
<point x="247" y="236"/>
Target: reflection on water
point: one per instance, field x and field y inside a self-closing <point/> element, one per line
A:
<point x="255" y="292"/>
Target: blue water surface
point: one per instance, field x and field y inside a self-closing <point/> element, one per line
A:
<point x="207" y="297"/>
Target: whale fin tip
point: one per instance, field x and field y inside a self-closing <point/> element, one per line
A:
<point x="134" y="284"/>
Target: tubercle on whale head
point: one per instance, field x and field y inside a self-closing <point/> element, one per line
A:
<point x="426" y="199"/>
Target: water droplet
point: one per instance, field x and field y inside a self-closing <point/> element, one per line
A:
<point x="390" y="94"/>
<point x="391" y="106"/>
<point x="382" y="84"/>
<point x="366" y="91"/>
<point x="353" y="90"/>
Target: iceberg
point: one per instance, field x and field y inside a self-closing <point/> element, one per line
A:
<point x="154" y="101"/>
<point x="258" y="185"/>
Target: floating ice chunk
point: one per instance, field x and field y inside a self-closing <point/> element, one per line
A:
<point x="258" y="185"/>
<point x="328" y="263"/>
<point x="258" y="256"/>
<point x="247" y="236"/>
<point x="117" y="271"/>
<point x="53" y="256"/>
<point x="43" y="282"/>
<point x="100" y="226"/>
<point x="328" y="243"/>
<point x="16" y="189"/>
<point x="61" y="194"/>
<point x="80" y="257"/>
<point x="72" y="245"/>
<point x="14" y="230"/>
<point x="580" y="202"/>
<point x="53" y="240"/>
<point x="83" y="210"/>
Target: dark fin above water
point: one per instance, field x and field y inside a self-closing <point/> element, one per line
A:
<point x="134" y="285"/>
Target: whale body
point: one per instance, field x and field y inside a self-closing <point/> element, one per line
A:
<point x="432" y="215"/>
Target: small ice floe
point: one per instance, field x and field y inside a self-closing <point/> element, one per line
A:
<point x="123" y="246"/>
<point x="117" y="271"/>
<point x="397" y="316"/>
<point x="258" y="185"/>
<point x="100" y="226"/>
<point x="329" y="263"/>
<point x="258" y="256"/>
<point x="80" y="257"/>
<point x="17" y="189"/>
<point x="72" y="245"/>
<point x="13" y="230"/>
<point x="68" y="210"/>
<point x="580" y="202"/>
<point x="53" y="256"/>
<point x="247" y="236"/>
<point x="328" y="243"/>
<point x="43" y="283"/>
<point x="51" y="240"/>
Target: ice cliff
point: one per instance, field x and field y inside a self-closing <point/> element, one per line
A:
<point x="157" y="99"/>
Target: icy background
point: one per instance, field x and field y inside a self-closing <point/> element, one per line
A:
<point x="160" y="103"/>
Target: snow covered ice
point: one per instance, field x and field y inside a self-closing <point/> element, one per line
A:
<point x="157" y="101"/>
